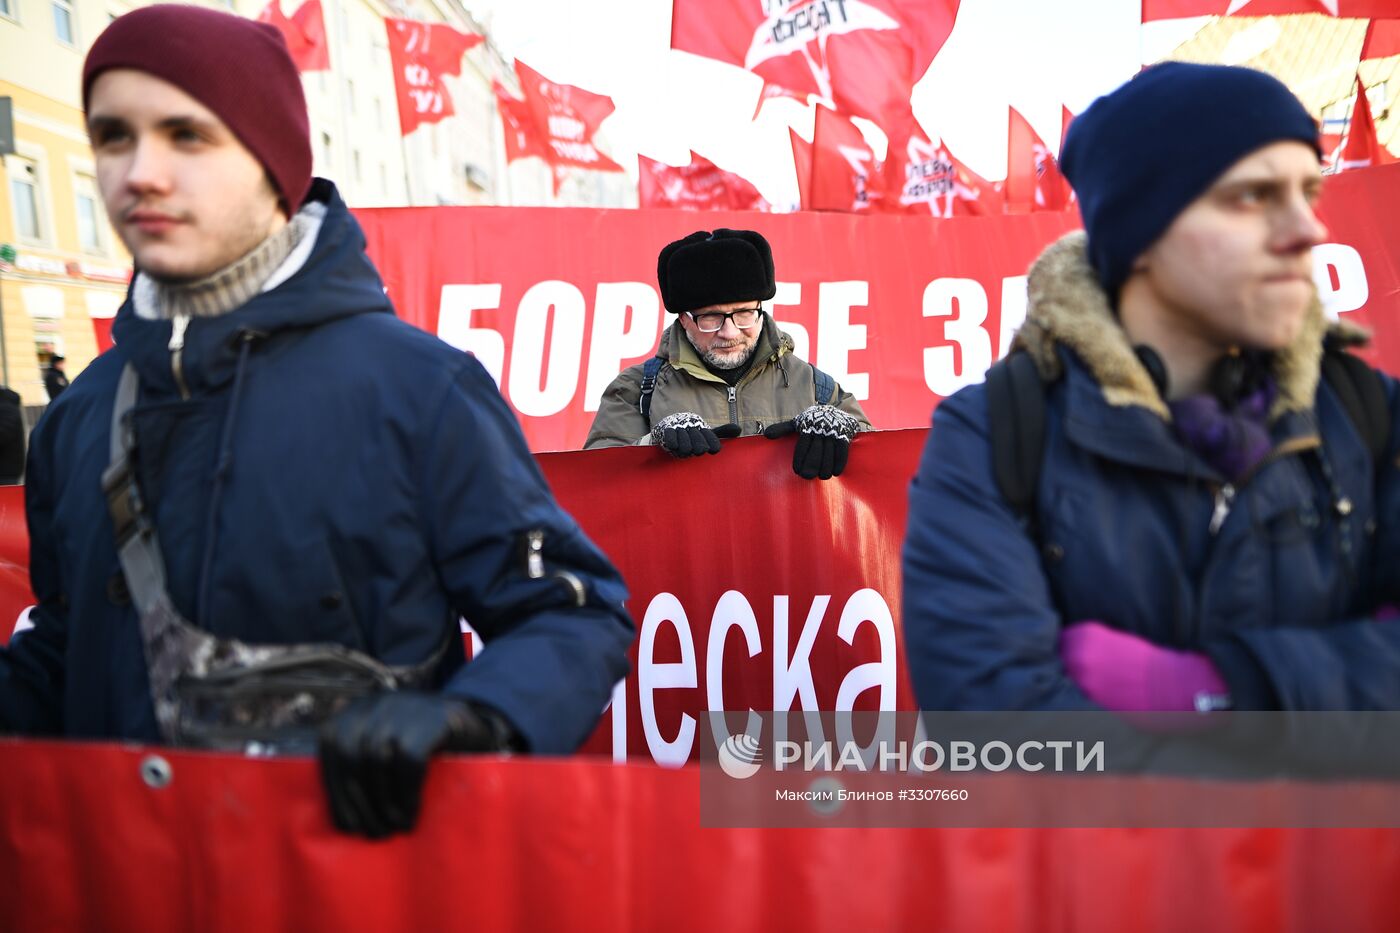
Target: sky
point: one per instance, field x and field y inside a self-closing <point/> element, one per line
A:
<point x="1033" y="55"/>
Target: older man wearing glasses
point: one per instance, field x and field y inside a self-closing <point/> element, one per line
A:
<point x="724" y="369"/>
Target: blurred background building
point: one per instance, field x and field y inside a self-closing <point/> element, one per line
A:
<point x="63" y="272"/>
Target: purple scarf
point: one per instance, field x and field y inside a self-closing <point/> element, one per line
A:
<point x="1232" y="441"/>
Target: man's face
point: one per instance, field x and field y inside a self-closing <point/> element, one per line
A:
<point x="729" y="347"/>
<point x="1235" y="268"/>
<point x="186" y="197"/>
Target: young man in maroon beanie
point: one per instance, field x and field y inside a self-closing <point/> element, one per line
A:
<point x="256" y="521"/>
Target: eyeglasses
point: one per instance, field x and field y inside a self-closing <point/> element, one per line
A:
<point x="711" y="321"/>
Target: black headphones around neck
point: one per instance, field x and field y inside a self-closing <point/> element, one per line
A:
<point x="1234" y="376"/>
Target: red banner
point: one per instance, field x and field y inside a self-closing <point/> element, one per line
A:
<point x="800" y="611"/>
<point x="900" y="310"/>
<point x="236" y="844"/>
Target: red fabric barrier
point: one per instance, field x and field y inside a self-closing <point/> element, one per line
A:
<point x="902" y="311"/>
<point x="237" y="845"/>
<point x="751" y="588"/>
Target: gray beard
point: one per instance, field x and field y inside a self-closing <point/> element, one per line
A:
<point x="714" y="361"/>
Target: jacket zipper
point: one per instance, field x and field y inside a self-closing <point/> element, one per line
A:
<point x="177" y="352"/>
<point x="1225" y="495"/>
<point x="534" y="567"/>
<point x="733" y="405"/>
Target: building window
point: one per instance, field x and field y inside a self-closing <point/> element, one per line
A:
<point x="356" y="157"/>
<point x="89" y="214"/>
<point x="63" y="22"/>
<point x="25" y="194"/>
<point x="7" y="8"/>
<point x="350" y="93"/>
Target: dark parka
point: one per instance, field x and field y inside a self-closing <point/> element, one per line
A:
<point x="334" y="475"/>
<point x="1280" y="597"/>
<point x="777" y="387"/>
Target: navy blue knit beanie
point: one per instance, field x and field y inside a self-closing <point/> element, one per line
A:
<point x="1139" y="155"/>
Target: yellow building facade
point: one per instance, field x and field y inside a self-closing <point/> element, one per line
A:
<point x="61" y="265"/>
<point x="1318" y="57"/>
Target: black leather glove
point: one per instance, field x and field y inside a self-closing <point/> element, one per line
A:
<point x="375" y="753"/>
<point x="685" y="434"/>
<point x="824" y="435"/>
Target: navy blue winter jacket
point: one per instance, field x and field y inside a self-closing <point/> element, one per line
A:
<point x="336" y="475"/>
<point x="1280" y="597"/>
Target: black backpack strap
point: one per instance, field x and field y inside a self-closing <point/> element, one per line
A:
<point x="825" y="386"/>
<point x="1362" y="394"/>
<point x="1016" y="408"/>
<point x="650" y="369"/>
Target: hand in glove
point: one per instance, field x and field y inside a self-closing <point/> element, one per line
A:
<point x="686" y="434"/>
<point x="824" y="435"/>
<point x="375" y="753"/>
<point x="1127" y="673"/>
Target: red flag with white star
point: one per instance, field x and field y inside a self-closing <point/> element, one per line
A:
<point x="862" y="55"/>
<point x="931" y="181"/>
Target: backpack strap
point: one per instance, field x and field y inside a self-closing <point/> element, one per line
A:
<point x="1016" y="407"/>
<point x="1362" y="394"/>
<point x="650" y="369"/>
<point x="825" y="386"/>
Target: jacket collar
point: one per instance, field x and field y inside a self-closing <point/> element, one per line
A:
<point x="336" y="281"/>
<point x="1069" y="309"/>
<point x="1113" y="408"/>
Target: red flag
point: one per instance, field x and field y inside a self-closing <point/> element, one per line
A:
<point x="568" y="117"/>
<point x="304" y="33"/>
<point x="523" y="138"/>
<point x="701" y="185"/>
<point x="1066" y="118"/>
<point x="771" y="90"/>
<point x="1360" y="148"/>
<point x="845" y="174"/>
<point x="863" y="55"/>
<point x="1033" y="179"/>
<point x="421" y="54"/>
<point x="931" y="181"/>
<point x="1382" y="39"/>
<point x="1356" y="9"/>
<point x="802" y="165"/>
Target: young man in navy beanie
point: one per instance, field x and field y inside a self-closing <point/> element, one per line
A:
<point x="256" y="521"/>
<point x="1208" y="526"/>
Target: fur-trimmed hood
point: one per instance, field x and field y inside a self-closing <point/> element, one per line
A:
<point x="1068" y="307"/>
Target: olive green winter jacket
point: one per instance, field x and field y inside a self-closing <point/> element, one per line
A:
<point x="777" y="387"/>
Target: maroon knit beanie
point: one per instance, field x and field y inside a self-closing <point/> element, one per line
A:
<point x="239" y="69"/>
